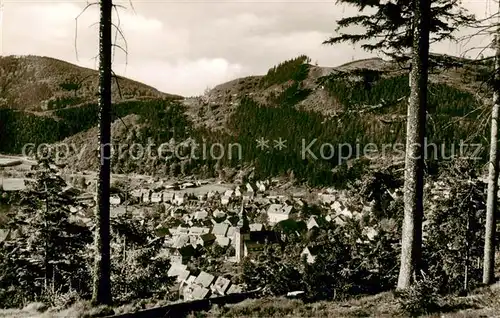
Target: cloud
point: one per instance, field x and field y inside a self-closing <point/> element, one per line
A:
<point x="155" y="49"/>
<point x="182" y="47"/>
<point x="186" y="76"/>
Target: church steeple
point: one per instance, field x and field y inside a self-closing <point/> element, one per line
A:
<point x="242" y="234"/>
<point x="245" y="225"/>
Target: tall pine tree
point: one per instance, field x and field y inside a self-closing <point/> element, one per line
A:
<point x="403" y="30"/>
<point x="492" y="199"/>
<point x="102" y="283"/>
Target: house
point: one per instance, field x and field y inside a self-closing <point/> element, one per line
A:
<point x="237" y="192"/>
<point x="223" y="241"/>
<point x="220" y="286"/>
<point x="326" y="198"/>
<point x="196" y="230"/>
<point x="310" y="253"/>
<point x="257" y="241"/>
<point x="278" y="212"/>
<point x="179" y="240"/>
<point x="137" y="193"/>
<point x="345" y="212"/>
<point x="224" y="200"/>
<point x="337" y="206"/>
<point x="190" y="280"/>
<point x="339" y="219"/>
<point x="218" y="214"/>
<point x="298" y="201"/>
<point x="146" y="196"/>
<point x="5" y="235"/>
<point x="205" y="239"/>
<point x="156" y="197"/>
<point x="182" y="255"/>
<point x="256" y="227"/>
<point x="262" y="201"/>
<point x="118" y="210"/>
<point x="183" y="275"/>
<point x="187" y="219"/>
<point x="210" y="194"/>
<point x="250" y="188"/>
<point x="253" y="248"/>
<point x="234" y="289"/>
<point x="168" y="197"/>
<point x="187" y="185"/>
<point x="201" y="215"/>
<point x="261" y="187"/>
<point x="370" y="232"/>
<point x="114" y="200"/>
<point x="230" y="232"/>
<point x="182" y="230"/>
<point x="177" y="212"/>
<point x="172" y="231"/>
<point x="220" y="229"/>
<point x="315" y="221"/>
<point x="204" y="279"/>
<point x="179" y="199"/>
<point x="247" y="196"/>
<point x="200" y="292"/>
<point x="12" y="184"/>
<point x="176" y="269"/>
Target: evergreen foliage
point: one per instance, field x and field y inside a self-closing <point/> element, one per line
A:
<point x="348" y="262"/>
<point x="455" y="248"/>
<point x="388" y="26"/>
<point x="138" y="270"/>
<point x="49" y="253"/>
<point x="295" y="69"/>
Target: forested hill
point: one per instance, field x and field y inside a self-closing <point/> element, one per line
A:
<point x="359" y="103"/>
<point x="39" y="83"/>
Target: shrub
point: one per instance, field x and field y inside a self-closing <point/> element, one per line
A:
<point x="421" y="298"/>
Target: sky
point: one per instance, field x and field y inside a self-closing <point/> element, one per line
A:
<point x="185" y="47"/>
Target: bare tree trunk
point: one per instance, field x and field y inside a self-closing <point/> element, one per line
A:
<point x="467" y="247"/>
<point x="102" y="285"/>
<point x="491" y="203"/>
<point x="414" y="163"/>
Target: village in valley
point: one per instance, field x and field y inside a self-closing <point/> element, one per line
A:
<point x="207" y="227"/>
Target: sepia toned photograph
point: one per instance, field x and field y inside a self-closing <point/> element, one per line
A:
<point x="249" y="158"/>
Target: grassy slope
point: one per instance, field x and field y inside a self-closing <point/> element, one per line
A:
<point x="483" y="303"/>
<point x="486" y="303"/>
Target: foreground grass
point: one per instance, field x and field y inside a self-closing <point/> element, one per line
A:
<point x="486" y="303"/>
<point x="482" y="303"/>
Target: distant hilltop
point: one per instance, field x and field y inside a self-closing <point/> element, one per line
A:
<point x="39" y="83"/>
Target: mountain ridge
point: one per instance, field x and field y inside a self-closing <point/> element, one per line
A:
<point x="359" y="102"/>
<point x="41" y="83"/>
